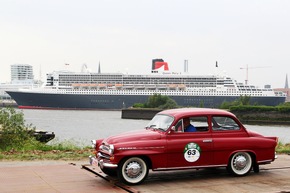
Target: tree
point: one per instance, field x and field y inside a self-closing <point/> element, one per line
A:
<point x="242" y="100"/>
<point x="14" y="133"/>
<point x="159" y="101"/>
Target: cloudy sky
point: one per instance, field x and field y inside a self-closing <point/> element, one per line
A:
<point x="125" y="35"/>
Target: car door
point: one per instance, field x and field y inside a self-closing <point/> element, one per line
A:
<point x="190" y="149"/>
<point x="228" y="136"/>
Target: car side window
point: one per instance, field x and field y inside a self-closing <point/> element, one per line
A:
<point x="221" y="123"/>
<point x="179" y="126"/>
<point x="199" y="123"/>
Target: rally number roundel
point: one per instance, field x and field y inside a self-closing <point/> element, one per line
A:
<point x="192" y="152"/>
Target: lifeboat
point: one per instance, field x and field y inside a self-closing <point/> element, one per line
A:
<point x="172" y="86"/>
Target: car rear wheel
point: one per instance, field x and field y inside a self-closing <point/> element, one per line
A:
<point x="240" y="163"/>
<point x="133" y="170"/>
<point x="256" y="168"/>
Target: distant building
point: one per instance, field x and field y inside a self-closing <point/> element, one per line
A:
<point x="21" y="77"/>
<point x="22" y="73"/>
<point x="286" y="89"/>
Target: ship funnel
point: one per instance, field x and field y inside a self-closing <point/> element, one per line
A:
<point x="158" y="63"/>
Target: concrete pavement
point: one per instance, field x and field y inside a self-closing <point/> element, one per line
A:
<point x="51" y="177"/>
<point x="62" y="176"/>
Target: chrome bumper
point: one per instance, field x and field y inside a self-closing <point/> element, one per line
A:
<point x="93" y="160"/>
<point x="100" y="162"/>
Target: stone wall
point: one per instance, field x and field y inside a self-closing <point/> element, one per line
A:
<point x="146" y="114"/>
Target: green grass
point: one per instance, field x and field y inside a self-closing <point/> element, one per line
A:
<point x="46" y="155"/>
<point x="283" y="148"/>
<point x="32" y="149"/>
<point x="59" y="151"/>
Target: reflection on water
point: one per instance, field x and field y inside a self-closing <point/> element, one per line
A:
<point x="83" y="126"/>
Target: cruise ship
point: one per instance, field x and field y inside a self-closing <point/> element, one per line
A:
<point x="87" y="90"/>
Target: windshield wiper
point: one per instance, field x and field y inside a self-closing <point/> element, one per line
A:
<point x="150" y="127"/>
<point x="160" y="129"/>
<point x="153" y="127"/>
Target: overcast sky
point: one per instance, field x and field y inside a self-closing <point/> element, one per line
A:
<point x="125" y="35"/>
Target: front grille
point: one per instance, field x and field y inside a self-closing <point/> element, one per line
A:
<point x="103" y="156"/>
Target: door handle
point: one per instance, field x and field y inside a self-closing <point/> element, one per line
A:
<point x="207" y="140"/>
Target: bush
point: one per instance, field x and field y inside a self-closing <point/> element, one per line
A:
<point x="14" y="134"/>
<point x="242" y="100"/>
<point x="160" y="102"/>
<point x="138" y="105"/>
<point x="249" y="108"/>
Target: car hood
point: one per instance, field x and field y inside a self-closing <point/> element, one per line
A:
<point x="132" y="136"/>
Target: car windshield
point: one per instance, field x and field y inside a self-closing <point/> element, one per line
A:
<point x="160" y="122"/>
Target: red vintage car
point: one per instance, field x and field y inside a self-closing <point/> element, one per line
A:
<point x="217" y="139"/>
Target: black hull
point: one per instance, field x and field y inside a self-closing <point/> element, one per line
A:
<point x="82" y="101"/>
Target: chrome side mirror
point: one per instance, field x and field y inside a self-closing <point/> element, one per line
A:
<point x="172" y="129"/>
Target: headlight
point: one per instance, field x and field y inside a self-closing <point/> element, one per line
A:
<point x="111" y="149"/>
<point x="94" y="143"/>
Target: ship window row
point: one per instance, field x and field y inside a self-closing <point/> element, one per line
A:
<point x="178" y="80"/>
<point x="64" y="83"/>
<point x="68" y="79"/>
<point x="87" y="79"/>
<point x="154" y="91"/>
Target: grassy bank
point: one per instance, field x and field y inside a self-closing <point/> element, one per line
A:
<point x="34" y="150"/>
<point x="65" y="154"/>
<point x="283" y="148"/>
<point x="74" y="153"/>
<point x="16" y="142"/>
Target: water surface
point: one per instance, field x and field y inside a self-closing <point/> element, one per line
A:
<point x="83" y="126"/>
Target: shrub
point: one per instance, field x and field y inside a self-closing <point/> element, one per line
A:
<point x="158" y="101"/>
<point x="14" y="134"/>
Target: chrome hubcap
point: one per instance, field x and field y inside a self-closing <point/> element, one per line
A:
<point x="240" y="162"/>
<point x="133" y="170"/>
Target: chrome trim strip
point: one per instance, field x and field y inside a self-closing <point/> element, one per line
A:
<point x="139" y="148"/>
<point x="265" y="161"/>
<point x="207" y="140"/>
<point x="189" y="167"/>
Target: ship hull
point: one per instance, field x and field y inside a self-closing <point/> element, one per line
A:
<point x="90" y="101"/>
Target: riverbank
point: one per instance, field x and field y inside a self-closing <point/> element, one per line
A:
<point x="260" y="118"/>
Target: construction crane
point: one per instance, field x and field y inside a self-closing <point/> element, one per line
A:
<point x="247" y="71"/>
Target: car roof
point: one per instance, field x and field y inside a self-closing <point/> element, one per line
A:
<point x="183" y="112"/>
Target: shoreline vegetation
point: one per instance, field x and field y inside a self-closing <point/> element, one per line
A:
<point x="17" y="145"/>
<point x="254" y="117"/>
<point x="242" y="108"/>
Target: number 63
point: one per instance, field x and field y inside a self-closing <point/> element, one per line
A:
<point x="191" y="152"/>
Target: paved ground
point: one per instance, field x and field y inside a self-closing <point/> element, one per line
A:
<point x="60" y="176"/>
<point x="51" y="177"/>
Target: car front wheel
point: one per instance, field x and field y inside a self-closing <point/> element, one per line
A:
<point x="240" y="163"/>
<point x="133" y="170"/>
<point x="109" y="172"/>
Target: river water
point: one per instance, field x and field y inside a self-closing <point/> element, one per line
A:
<point x="83" y="126"/>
